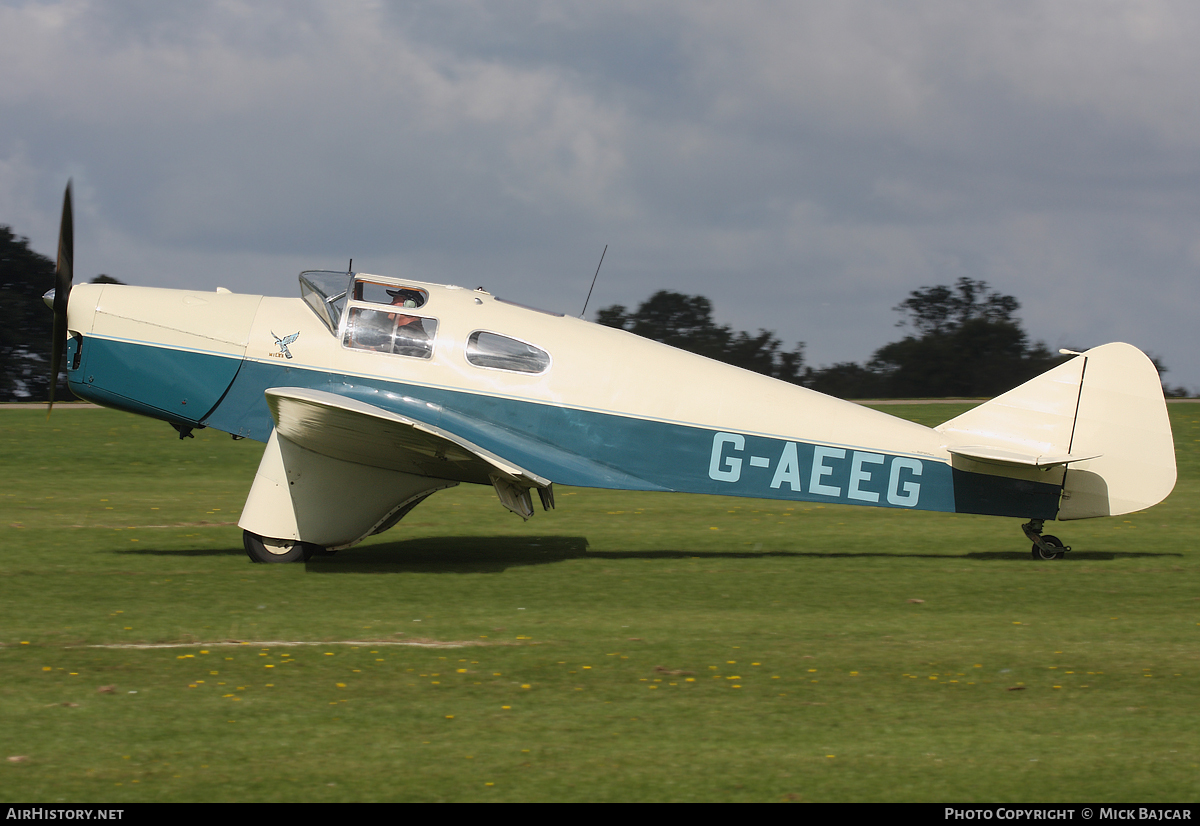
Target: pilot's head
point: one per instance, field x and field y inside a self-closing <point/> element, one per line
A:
<point x="405" y="298"/>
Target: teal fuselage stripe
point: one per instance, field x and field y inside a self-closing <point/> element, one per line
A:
<point x="180" y="386"/>
<point x="570" y="446"/>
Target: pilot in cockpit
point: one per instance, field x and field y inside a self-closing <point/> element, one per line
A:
<point x="408" y="326"/>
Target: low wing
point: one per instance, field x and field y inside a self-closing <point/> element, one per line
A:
<point x="351" y="430"/>
<point x="490" y="442"/>
<point x="354" y="431"/>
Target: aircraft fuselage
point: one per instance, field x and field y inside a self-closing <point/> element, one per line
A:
<point x="599" y="408"/>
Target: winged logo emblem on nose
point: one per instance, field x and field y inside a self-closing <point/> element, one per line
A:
<point x="284" y="342"/>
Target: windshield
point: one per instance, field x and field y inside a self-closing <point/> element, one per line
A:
<point x="325" y="294"/>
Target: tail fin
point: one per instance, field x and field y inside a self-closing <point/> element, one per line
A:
<point x="1101" y="415"/>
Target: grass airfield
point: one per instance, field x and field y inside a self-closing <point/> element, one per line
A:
<point x="627" y="646"/>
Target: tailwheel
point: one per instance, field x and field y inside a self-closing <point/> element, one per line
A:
<point x="269" y="549"/>
<point x="1054" y="548"/>
<point x="1045" y="546"/>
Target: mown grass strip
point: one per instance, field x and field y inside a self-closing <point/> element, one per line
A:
<point x="632" y="646"/>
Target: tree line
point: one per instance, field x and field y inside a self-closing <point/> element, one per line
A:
<point x="26" y="323"/>
<point x="963" y="340"/>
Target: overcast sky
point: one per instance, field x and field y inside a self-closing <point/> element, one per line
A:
<point x="805" y="165"/>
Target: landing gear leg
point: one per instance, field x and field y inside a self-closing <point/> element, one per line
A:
<point x="1045" y="546"/>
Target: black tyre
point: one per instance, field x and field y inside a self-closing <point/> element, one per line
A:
<point x="1053" y="542"/>
<point x="267" y="549"/>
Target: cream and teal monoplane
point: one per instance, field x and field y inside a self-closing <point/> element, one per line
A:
<point x="373" y="392"/>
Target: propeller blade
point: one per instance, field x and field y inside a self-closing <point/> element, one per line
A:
<point x="63" y="274"/>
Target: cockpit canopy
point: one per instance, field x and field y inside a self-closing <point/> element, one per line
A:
<point x="386" y="315"/>
<point x="326" y="292"/>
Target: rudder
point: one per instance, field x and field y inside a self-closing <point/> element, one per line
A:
<point x="1102" y="415"/>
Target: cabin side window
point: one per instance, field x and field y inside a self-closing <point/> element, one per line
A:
<point x="398" y="333"/>
<point x="397" y="295"/>
<point x="499" y="352"/>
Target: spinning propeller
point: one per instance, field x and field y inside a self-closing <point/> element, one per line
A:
<point x="61" y="291"/>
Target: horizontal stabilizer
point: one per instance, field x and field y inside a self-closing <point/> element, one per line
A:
<point x="1001" y="456"/>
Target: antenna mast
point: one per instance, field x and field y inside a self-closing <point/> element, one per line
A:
<point x="594" y="277"/>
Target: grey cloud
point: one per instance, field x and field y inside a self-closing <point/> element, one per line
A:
<point x="803" y="164"/>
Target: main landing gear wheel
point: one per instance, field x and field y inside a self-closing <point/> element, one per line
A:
<point x="1053" y="542"/>
<point x="1045" y="546"/>
<point x="268" y="549"/>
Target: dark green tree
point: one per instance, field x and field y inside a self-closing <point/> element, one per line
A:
<point x="969" y="343"/>
<point x="943" y="309"/>
<point x="685" y="321"/>
<point x="26" y="324"/>
<point x="847" y="380"/>
<point x="966" y="341"/>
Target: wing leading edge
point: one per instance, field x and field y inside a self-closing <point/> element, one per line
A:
<point x="358" y="433"/>
<point x="353" y="431"/>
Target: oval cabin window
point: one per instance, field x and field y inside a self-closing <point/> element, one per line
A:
<point x="503" y="353"/>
